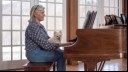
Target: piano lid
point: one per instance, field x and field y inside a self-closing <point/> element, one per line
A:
<point x="99" y="41"/>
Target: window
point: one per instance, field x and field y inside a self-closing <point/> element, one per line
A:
<point x="103" y="7"/>
<point x="111" y="7"/>
<point x="54" y="16"/>
<point x="84" y="6"/>
<point x="14" y="15"/>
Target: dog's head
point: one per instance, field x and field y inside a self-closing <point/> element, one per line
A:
<point x="58" y="35"/>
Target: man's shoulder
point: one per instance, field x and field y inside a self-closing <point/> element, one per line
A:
<point x="33" y="26"/>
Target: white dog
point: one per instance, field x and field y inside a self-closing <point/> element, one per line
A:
<point x="56" y="38"/>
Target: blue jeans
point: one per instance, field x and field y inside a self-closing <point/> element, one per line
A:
<point x="40" y="55"/>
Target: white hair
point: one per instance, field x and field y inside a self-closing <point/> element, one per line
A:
<point x="33" y="11"/>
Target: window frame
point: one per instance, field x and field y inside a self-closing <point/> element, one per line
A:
<point x="63" y="18"/>
<point x="100" y="14"/>
<point x="4" y="65"/>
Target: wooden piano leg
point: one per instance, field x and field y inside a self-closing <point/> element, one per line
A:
<point x="89" y="66"/>
<point x="85" y="67"/>
<point x="71" y="62"/>
<point x="124" y="55"/>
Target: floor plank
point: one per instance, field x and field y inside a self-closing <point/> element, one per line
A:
<point x="112" y="65"/>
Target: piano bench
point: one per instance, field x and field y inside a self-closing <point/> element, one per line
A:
<point x="39" y="66"/>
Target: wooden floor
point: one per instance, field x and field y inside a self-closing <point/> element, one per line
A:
<point x="113" y="65"/>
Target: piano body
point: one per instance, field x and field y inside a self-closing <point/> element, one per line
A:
<point x="97" y="45"/>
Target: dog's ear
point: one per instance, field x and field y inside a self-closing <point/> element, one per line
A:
<point x="55" y="33"/>
<point x="60" y="32"/>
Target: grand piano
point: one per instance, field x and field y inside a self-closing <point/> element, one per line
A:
<point x="97" y="45"/>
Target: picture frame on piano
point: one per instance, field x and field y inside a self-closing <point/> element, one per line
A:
<point x="114" y="20"/>
<point x="123" y="18"/>
<point x="119" y="21"/>
<point x="108" y="20"/>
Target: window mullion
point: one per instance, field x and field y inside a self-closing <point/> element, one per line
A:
<point x="0" y="33"/>
<point x="64" y="20"/>
<point x="21" y="30"/>
<point x="100" y="12"/>
<point x="114" y="7"/>
<point x="11" y="34"/>
<point x="119" y="6"/>
<point x="55" y="17"/>
<point x="36" y="1"/>
<point x="47" y="15"/>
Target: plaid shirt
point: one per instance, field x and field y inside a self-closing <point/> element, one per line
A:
<point x="37" y="37"/>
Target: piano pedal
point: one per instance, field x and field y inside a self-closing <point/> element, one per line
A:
<point x="100" y="68"/>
